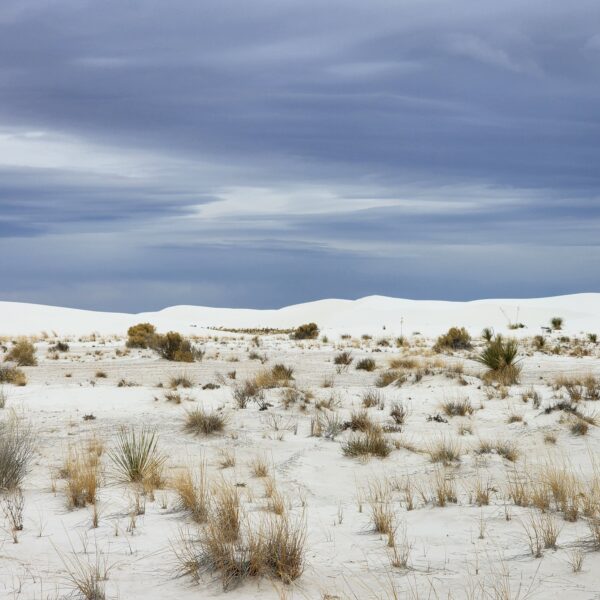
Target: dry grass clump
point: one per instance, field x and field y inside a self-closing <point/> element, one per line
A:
<point x="395" y="376"/>
<point x="87" y="579"/>
<point x="12" y="375"/>
<point x="191" y="487"/>
<point x="457" y="408"/>
<point x="454" y="339"/>
<point x="409" y="363"/>
<point x="500" y="357"/>
<point x="360" y="421"/>
<point x="328" y="425"/>
<point x="82" y="474"/>
<point x="22" y="353"/>
<point x="308" y="331"/>
<point x="273" y="547"/>
<point x="504" y="448"/>
<point x="136" y="457"/>
<point x="556" y="323"/>
<point x="444" y="450"/>
<point x="246" y="392"/>
<point x="202" y="422"/>
<point x="277" y="376"/>
<point x="579" y="388"/>
<point x="372" y="398"/>
<point x="180" y="381"/>
<point x="16" y="452"/>
<point x="398" y="412"/>
<point x="366" y="364"/>
<point x="343" y="358"/>
<point x="578" y="426"/>
<point x="370" y="443"/>
<point x="259" y="466"/>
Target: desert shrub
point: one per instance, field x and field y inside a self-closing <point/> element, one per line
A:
<point x="245" y="392"/>
<point x="22" y="353"/>
<point x="556" y="323"/>
<point x="82" y="474"/>
<point x="487" y="334"/>
<point x="399" y="413"/>
<point x="200" y="421"/>
<point x="395" y="376"/>
<point x="454" y="339"/>
<point x="193" y="493"/>
<point x="500" y="357"/>
<point x="372" y="442"/>
<point x="136" y="456"/>
<point x="366" y="364"/>
<point x="173" y="346"/>
<point x="360" y="421"/>
<point x="343" y="358"/>
<point x="592" y="337"/>
<point x="457" y="408"/>
<point x="59" y="347"/>
<point x="180" y="381"/>
<point x="141" y="335"/>
<point x="16" y="451"/>
<point x="9" y="374"/>
<point x="372" y="398"/>
<point x="308" y="331"/>
<point x="277" y="376"/>
<point x="444" y="450"/>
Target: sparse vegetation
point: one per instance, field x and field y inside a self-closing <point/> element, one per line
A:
<point x="22" y="354"/>
<point x="141" y="336"/>
<point x="308" y="331"/>
<point x="500" y="357"/>
<point x="366" y="364"/>
<point x="201" y="422"/>
<point x="454" y="339"/>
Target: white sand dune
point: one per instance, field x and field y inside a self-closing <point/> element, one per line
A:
<point x="581" y="312"/>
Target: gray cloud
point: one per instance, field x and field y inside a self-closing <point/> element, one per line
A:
<point x="276" y="152"/>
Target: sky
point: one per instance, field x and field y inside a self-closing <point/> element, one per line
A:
<point x="266" y="153"/>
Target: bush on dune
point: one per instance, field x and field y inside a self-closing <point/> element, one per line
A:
<point x="23" y="354"/>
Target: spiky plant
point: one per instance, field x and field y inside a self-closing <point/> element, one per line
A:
<point x="500" y="357"/>
<point x="136" y="456"/>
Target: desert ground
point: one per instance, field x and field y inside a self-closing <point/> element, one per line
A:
<point x="374" y="459"/>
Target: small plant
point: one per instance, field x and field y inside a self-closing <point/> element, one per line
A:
<point x="136" y="456"/>
<point x="141" y="336"/>
<point x="395" y="376"/>
<point x="371" y="443"/>
<point x="592" y="337"/>
<point x="343" y="358"/>
<point x="9" y="374"/>
<point x="487" y="334"/>
<point x="22" y="353"/>
<point x="180" y="381"/>
<point x="199" y="421"/>
<point x="372" y="398"/>
<point x="173" y="346"/>
<point x="399" y="413"/>
<point x="193" y="493"/>
<point x="308" y="331"/>
<point x="454" y="339"/>
<point x="16" y="451"/>
<point x="101" y="375"/>
<point x="556" y="323"/>
<point x="500" y="357"/>
<point x="457" y="408"/>
<point x="366" y="364"/>
<point x="444" y="450"/>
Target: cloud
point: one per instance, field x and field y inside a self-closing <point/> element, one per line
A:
<point x="269" y="154"/>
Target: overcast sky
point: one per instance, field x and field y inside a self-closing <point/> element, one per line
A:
<point x="265" y="153"/>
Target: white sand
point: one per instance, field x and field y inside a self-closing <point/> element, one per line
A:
<point x="344" y="557"/>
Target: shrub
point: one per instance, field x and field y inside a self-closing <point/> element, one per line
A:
<point x="487" y="334"/>
<point x="390" y="376"/>
<point x="557" y="323"/>
<point x="83" y="478"/>
<point x="592" y="337"/>
<point x="193" y="493"/>
<point x="454" y="339"/>
<point x="444" y="450"/>
<point x="360" y="421"/>
<point x="173" y="346"/>
<point x="245" y="392"/>
<point x="22" y="353"/>
<point x="343" y="358"/>
<point x="371" y="442"/>
<point x="500" y="357"/>
<point x="180" y="381"/>
<point x="136" y="457"/>
<point x="141" y="335"/>
<point x="16" y="451"/>
<point x="277" y="376"/>
<point x="366" y="364"/>
<point x="12" y="375"/>
<point x="372" y="398"/>
<point x="308" y="331"/>
<point x="399" y="413"/>
<point x="457" y="408"/>
<point x="199" y="421"/>
<point x="59" y="347"/>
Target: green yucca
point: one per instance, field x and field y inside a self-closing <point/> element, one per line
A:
<point x="136" y="456"/>
<point x="500" y="357"/>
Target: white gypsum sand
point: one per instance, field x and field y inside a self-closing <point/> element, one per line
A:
<point x="481" y="526"/>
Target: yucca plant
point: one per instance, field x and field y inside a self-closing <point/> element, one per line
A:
<point x="500" y="357"/>
<point x="136" y="457"/>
